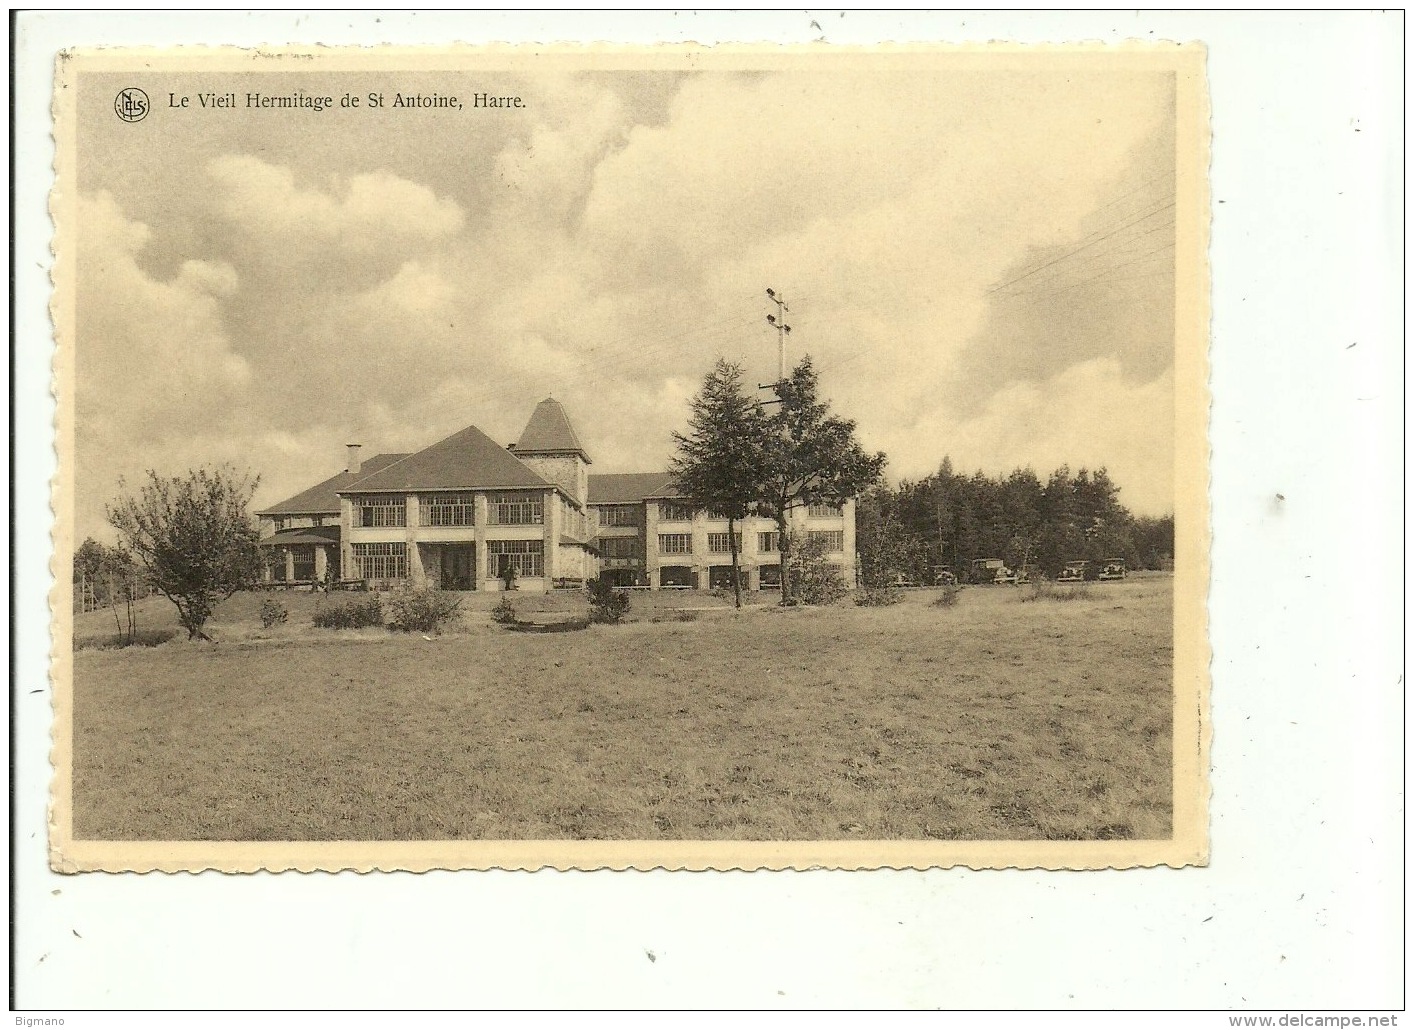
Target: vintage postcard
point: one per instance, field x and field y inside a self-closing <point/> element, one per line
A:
<point x="699" y="458"/>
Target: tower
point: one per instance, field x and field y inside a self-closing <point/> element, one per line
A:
<point x="551" y="447"/>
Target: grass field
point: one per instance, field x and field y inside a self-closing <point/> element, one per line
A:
<point x="992" y="719"/>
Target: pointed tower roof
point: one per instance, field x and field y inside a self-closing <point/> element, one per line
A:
<point x="549" y="430"/>
<point x="469" y="460"/>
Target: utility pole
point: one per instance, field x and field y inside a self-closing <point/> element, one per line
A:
<point x="778" y="322"/>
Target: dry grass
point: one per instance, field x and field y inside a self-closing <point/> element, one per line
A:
<point x="989" y="720"/>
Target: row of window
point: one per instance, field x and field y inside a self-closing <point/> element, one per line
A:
<point x="510" y="509"/>
<point x="390" y="560"/>
<point x="669" y="512"/>
<point x="719" y="576"/>
<point x="719" y="543"/>
<point x="389" y="511"/>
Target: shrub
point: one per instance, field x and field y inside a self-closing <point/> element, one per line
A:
<point x="504" y="612"/>
<point x="606" y="605"/>
<point x="422" y="611"/>
<point x="877" y="597"/>
<point x="814" y="579"/>
<point x="947" y="598"/>
<point x="138" y="638"/>
<point x="272" y="613"/>
<point x="1048" y="590"/>
<point x="351" y="615"/>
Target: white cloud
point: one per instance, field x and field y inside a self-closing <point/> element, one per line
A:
<point x="610" y="264"/>
<point x="156" y="365"/>
<point x="1088" y="416"/>
<point x="361" y="213"/>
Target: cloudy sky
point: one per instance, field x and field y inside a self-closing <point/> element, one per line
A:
<point x="980" y="263"/>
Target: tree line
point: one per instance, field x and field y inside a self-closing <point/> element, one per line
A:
<point x="948" y="519"/>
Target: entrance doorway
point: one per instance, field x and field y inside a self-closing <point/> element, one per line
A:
<point x="459" y="567"/>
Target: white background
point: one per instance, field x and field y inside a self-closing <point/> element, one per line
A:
<point x="1302" y="907"/>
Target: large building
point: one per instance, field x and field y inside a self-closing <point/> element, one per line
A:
<point x="454" y="516"/>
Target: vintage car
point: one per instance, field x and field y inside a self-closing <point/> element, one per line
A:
<point x="1112" y="568"/>
<point x="1074" y="572"/>
<point x="984" y="570"/>
<point x="943" y="577"/>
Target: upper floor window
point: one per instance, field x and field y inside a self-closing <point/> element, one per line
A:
<point x="618" y="546"/>
<point x="669" y="512"/>
<point x="675" y="543"/>
<point x="768" y="543"/>
<point x="515" y="509"/>
<point x="826" y="511"/>
<point x="618" y="514"/>
<point x="381" y="510"/>
<point x="832" y="539"/>
<point x="448" y="509"/>
<point x="720" y="543"/>
<point x="717" y="514"/>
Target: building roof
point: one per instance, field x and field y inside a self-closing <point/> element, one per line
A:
<point x="468" y="460"/>
<point x="306" y="535"/>
<point x="324" y="498"/>
<point x="549" y="429"/>
<point x="630" y="487"/>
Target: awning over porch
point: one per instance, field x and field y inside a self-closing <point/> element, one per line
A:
<point x="326" y="535"/>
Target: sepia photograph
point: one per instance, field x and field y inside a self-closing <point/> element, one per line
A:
<point x="746" y="458"/>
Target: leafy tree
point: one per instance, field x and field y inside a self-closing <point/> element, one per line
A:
<point x="108" y="575"/>
<point x="816" y="579"/>
<point x="193" y="537"/>
<point x="720" y="460"/>
<point x="811" y="457"/>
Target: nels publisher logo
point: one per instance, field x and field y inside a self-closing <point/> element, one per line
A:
<point x="131" y="104"/>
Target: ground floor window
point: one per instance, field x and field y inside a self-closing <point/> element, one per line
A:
<point x="621" y="577"/>
<point x="720" y="578"/>
<point x="304" y="561"/>
<point x="381" y="561"/>
<point x="274" y="565"/>
<point x="675" y="576"/>
<point x="770" y="577"/>
<point x="527" y="557"/>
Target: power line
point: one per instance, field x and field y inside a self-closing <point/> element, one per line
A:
<point x="1086" y="246"/>
<point x="1109" y="268"/>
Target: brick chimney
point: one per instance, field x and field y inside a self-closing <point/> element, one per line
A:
<point x="355" y="463"/>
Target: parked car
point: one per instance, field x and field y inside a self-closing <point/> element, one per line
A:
<point x="1074" y="572"/>
<point x="1005" y="577"/>
<point x="984" y="570"/>
<point x="944" y="577"/>
<point x="1112" y="568"/>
